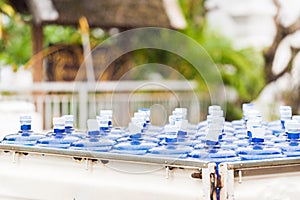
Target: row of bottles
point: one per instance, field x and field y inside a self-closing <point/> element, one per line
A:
<point x="214" y="139"/>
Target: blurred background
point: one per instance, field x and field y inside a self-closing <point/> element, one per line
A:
<point x="43" y="45"/>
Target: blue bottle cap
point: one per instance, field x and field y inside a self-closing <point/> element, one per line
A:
<point x="170" y="139"/>
<point x="25" y="121"/>
<point x="257" y="140"/>
<point x="293" y="135"/>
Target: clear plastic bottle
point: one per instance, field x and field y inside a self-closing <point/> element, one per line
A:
<point x="212" y="149"/>
<point x="104" y="124"/>
<point x="108" y="115"/>
<point x="25" y="136"/>
<point x="171" y="146"/>
<point x="285" y="114"/>
<point x="58" y="138"/>
<point x="94" y="141"/>
<point x="246" y="107"/>
<point x="291" y="147"/>
<point x="146" y="114"/>
<point x="258" y="149"/>
<point x="136" y="142"/>
<point x="69" y="127"/>
<point x="174" y="140"/>
<point x="133" y="147"/>
<point x="216" y="136"/>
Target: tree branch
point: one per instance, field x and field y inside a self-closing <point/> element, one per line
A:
<point x="294" y="27"/>
<point x="289" y="66"/>
<point x="269" y="54"/>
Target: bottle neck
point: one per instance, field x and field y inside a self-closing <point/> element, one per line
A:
<point x="257" y="140"/>
<point x="69" y="129"/>
<point x="26" y="127"/>
<point x="58" y="131"/>
<point x="93" y="133"/>
<point x="293" y="135"/>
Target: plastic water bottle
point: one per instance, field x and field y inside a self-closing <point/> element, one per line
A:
<point x="291" y="147"/>
<point x="276" y="128"/>
<point x="146" y="112"/>
<point x="108" y="115"/>
<point x="174" y="139"/>
<point x="94" y="141"/>
<point x="25" y="136"/>
<point x="258" y="150"/>
<point x="285" y="114"/>
<point x="228" y="138"/>
<point x="216" y="135"/>
<point x="215" y="124"/>
<point x="115" y="134"/>
<point x="171" y="146"/>
<point x="246" y="107"/>
<point x="135" y="143"/>
<point x="106" y="127"/>
<point x="58" y="138"/>
<point x="69" y="127"/>
<point x="104" y="124"/>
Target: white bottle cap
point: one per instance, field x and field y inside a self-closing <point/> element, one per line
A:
<point x="216" y="113"/>
<point x="92" y="125"/>
<point x="59" y="123"/>
<point x="69" y="120"/>
<point x="106" y="112"/>
<point x="25" y="118"/>
<point x="170" y="128"/>
<point x="134" y="128"/>
<point x="182" y="125"/>
<point x="258" y="132"/>
<point x="212" y="134"/>
<point x="213" y="108"/>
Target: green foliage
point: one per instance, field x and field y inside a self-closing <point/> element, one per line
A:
<point x="61" y="34"/>
<point x="16" y="44"/>
<point x="241" y="69"/>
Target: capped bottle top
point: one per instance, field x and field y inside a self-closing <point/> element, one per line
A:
<point x="216" y="120"/>
<point x="140" y="115"/>
<point x="138" y="121"/>
<point x="59" y="125"/>
<point x="247" y="106"/>
<point x="134" y="128"/>
<point x="253" y="123"/>
<point x="213" y="108"/>
<point x="58" y="121"/>
<point x="296" y="117"/>
<point x="292" y="126"/>
<point x="170" y="128"/>
<point x="172" y="119"/>
<point x="145" y="110"/>
<point x="258" y="132"/>
<point x="285" y="108"/>
<point x="181" y="110"/>
<point x="182" y="125"/>
<point x="253" y="114"/>
<point x="216" y="112"/>
<point x="25" y="119"/>
<point x="212" y="135"/>
<point x="285" y="112"/>
<point x="106" y="112"/>
<point x="93" y="127"/>
<point x="69" y="120"/>
<point x="103" y="121"/>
